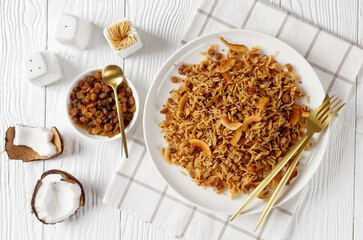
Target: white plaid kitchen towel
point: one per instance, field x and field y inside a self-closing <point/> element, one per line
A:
<point x="138" y="189"/>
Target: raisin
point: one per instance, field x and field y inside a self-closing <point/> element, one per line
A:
<point x="131" y="100"/>
<point x="73" y="112"/>
<point x="97" y="121"/>
<point x="174" y="79"/>
<point x="102" y="95"/>
<point x="98" y="86"/>
<point x="171" y="101"/>
<point x="123" y="107"/>
<point x="99" y="114"/>
<point x="90" y="80"/>
<point x="95" y="90"/>
<point x="93" y="96"/>
<point x="114" y="120"/>
<point x="88" y="99"/>
<point x="286" y="132"/>
<point x="94" y="130"/>
<point x="128" y="90"/>
<point x="211" y="52"/>
<point x="80" y="84"/>
<point x="286" y="97"/>
<point x="84" y="110"/>
<point x="75" y="119"/>
<point x="98" y="75"/>
<point x="165" y="109"/>
<point x="219" y="56"/>
<point x="105" y="103"/>
<point x="129" y="116"/>
<point x="73" y="96"/>
<point x="89" y="114"/>
<point x="84" y="119"/>
<point x="104" y="119"/>
<point x="109" y="99"/>
<point x="250" y="90"/>
<point x="105" y="88"/>
<point x="79" y="95"/>
<point x="91" y="105"/>
<point x="108" y="127"/>
<point x="132" y="109"/>
<point x="84" y="86"/>
<point x="112" y="114"/>
<point x="93" y="110"/>
<point x="289" y="68"/>
<point x="76" y="89"/>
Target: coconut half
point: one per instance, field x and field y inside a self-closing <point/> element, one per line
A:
<point x="57" y="196"/>
<point x="26" y="153"/>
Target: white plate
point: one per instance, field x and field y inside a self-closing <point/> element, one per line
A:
<point x="159" y="92"/>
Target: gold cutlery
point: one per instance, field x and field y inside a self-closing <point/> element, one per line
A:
<point x="316" y="122"/>
<point x="113" y="76"/>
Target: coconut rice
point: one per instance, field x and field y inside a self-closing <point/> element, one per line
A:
<point x="233" y="118"/>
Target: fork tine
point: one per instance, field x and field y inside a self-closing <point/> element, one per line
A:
<point x="323" y="117"/>
<point x="326" y="121"/>
<point x="335" y="105"/>
<point x="326" y="109"/>
<point x="321" y="106"/>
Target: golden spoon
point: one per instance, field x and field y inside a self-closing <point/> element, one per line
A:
<point x="113" y="76"/>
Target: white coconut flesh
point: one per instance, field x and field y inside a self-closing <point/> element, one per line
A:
<point x="56" y="199"/>
<point x="38" y="139"/>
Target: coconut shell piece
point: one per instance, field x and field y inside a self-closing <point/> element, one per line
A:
<point x="25" y="153"/>
<point x="65" y="177"/>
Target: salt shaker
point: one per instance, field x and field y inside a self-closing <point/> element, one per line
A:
<point x="42" y="68"/>
<point x="72" y="30"/>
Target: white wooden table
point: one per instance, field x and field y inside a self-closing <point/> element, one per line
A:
<point x="335" y="207"/>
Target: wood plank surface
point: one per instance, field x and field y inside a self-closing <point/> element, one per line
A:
<point x="22" y="32"/>
<point x="90" y="161"/>
<point x="333" y="208"/>
<point x="358" y="196"/>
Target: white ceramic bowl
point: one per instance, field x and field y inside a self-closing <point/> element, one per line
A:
<point x="84" y="132"/>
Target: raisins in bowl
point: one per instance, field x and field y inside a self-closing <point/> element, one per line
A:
<point x="92" y="105"/>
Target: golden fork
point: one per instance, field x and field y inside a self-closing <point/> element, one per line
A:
<point x="316" y="122"/>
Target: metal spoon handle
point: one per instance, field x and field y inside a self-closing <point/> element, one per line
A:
<point x="121" y="122"/>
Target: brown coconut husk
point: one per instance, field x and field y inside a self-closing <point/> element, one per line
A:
<point x="25" y="153"/>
